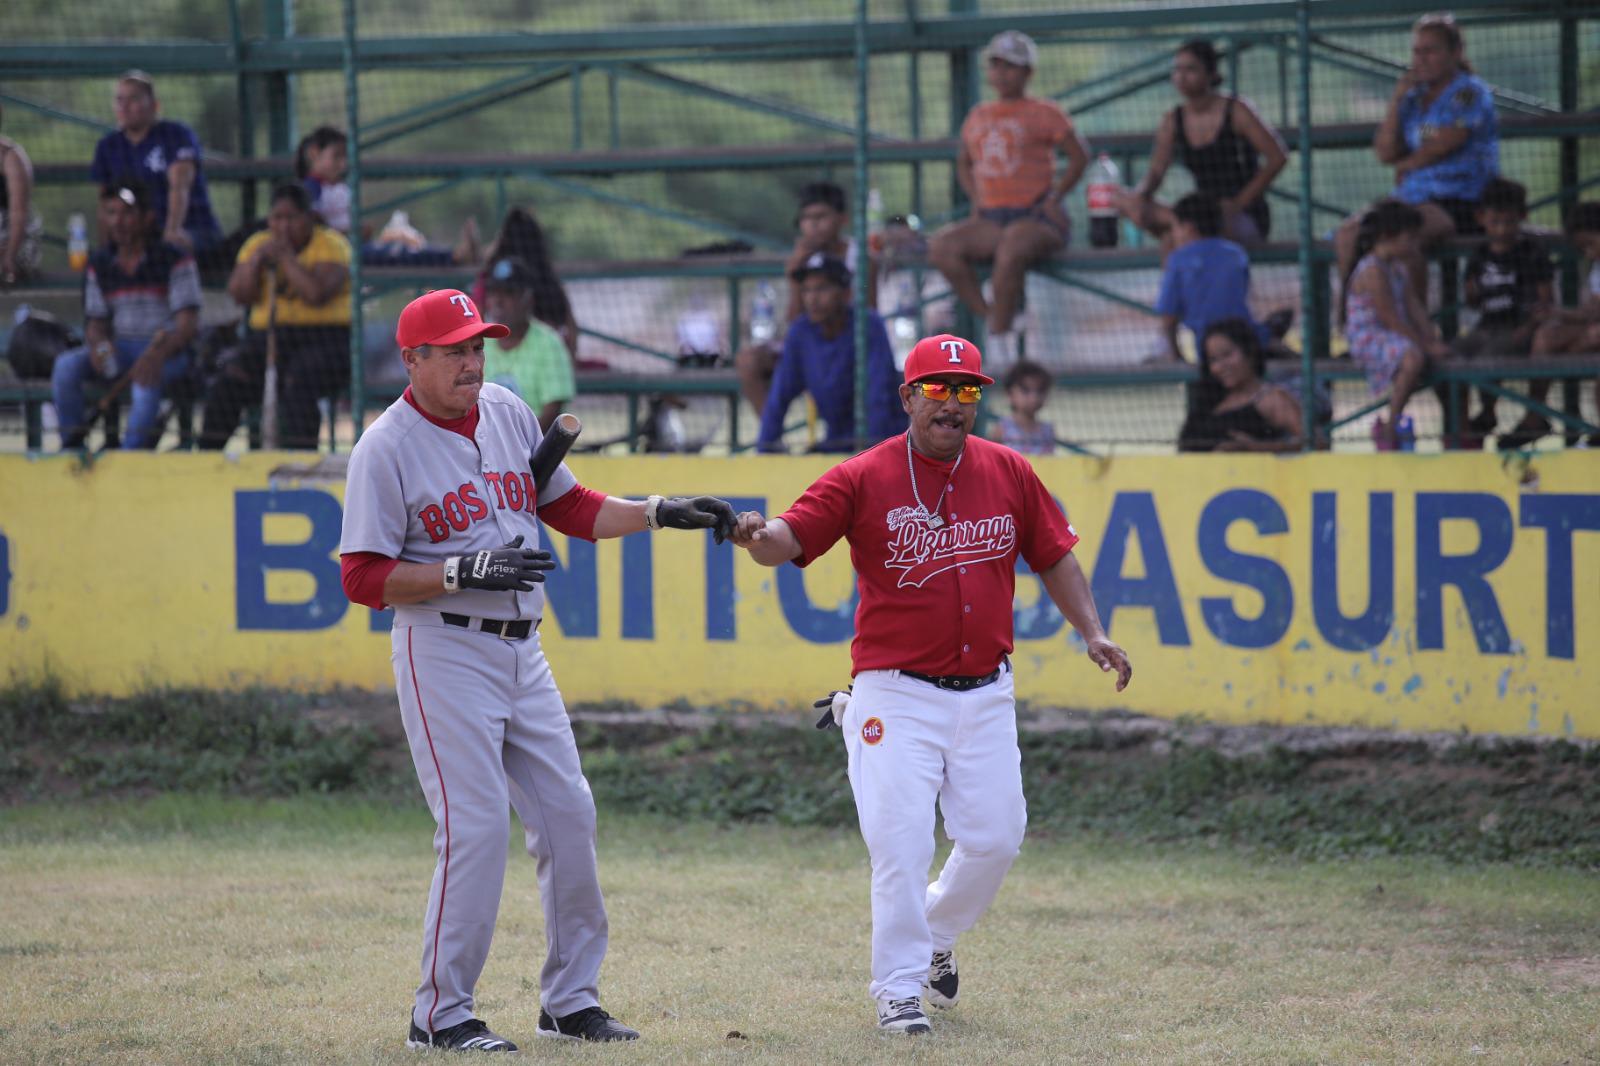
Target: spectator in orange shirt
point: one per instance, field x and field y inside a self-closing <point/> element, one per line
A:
<point x="1006" y="166"/>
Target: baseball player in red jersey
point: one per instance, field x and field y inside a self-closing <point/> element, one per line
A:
<point x="935" y="519"/>
<point x="439" y="523"/>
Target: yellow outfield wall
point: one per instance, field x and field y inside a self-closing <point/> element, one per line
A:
<point x="1424" y="592"/>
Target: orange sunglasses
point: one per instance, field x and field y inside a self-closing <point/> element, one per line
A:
<point x="940" y="392"/>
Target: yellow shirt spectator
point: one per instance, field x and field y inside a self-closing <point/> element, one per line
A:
<point x="326" y="246"/>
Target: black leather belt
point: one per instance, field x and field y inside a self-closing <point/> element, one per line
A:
<point x="959" y="682"/>
<point x="516" y="629"/>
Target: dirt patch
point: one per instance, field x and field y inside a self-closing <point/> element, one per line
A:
<point x="1563" y="972"/>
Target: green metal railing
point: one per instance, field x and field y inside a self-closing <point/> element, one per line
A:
<point x="1297" y="32"/>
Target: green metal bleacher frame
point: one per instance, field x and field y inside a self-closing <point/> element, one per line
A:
<point x="265" y="66"/>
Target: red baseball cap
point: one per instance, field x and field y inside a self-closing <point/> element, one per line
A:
<point x="443" y="317"/>
<point x="945" y="354"/>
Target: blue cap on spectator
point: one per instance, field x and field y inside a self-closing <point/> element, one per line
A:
<point x="826" y="265"/>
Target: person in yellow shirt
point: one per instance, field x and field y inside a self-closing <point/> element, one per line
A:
<point x="294" y="276"/>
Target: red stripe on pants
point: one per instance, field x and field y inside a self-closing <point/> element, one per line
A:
<point x="444" y="881"/>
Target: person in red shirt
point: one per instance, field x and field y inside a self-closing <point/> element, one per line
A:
<point x="1006" y="166"/>
<point x="935" y="519"/>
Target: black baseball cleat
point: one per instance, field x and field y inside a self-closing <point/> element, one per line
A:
<point x="904" y="1016"/>
<point x="943" y="984"/>
<point x="470" y="1035"/>
<point x="591" y="1023"/>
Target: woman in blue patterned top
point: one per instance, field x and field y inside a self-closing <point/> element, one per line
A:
<point x="1441" y="136"/>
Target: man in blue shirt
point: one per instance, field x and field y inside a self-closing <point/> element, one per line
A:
<point x="819" y="357"/>
<point x="1207" y="279"/>
<point x="162" y="156"/>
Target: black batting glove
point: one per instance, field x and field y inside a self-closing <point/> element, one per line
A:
<point x="512" y="568"/>
<point x="701" y="512"/>
<point x="833" y="707"/>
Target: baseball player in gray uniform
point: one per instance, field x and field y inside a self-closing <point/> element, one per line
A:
<point x="439" y="523"/>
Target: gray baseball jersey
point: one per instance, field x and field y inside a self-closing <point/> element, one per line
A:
<point x="484" y="720"/>
<point x="421" y="493"/>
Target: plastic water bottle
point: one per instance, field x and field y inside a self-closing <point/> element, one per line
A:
<point x="905" y="308"/>
<point x="1406" y="434"/>
<point x="874" y="220"/>
<point x="763" y="314"/>
<point x="1105" y="181"/>
<point x="77" y="242"/>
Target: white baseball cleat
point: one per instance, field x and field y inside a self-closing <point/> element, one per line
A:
<point x="943" y="984"/>
<point x="903" y="1016"/>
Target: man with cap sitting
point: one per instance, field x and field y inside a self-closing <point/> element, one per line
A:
<point x="532" y="360"/>
<point x="819" y="357"/>
<point x="1006" y="166"/>
<point x="821" y="224"/>
<point x="936" y="519"/>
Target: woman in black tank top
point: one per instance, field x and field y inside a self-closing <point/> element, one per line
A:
<point x="1235" y="165"/>
<point x="1247" y="414"/>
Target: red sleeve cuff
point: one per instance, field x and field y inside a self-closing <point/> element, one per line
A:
<point x="362" y="574"/>
<point x="574" y="513"/>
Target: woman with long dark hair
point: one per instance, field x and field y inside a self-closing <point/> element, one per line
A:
<point x="1233" y="153"/>
<point x="1250" y="414"/>
<point x="521" y="237"/>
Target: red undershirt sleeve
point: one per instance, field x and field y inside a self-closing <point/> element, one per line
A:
<point x="362" y="574"/>
<point x="574" y="512"/>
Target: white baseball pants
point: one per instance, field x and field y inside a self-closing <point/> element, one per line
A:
<point x="910" y="742"/>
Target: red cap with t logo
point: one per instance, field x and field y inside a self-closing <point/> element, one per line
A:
<point x="443" y="317"/>
<point x="945" y="354"/>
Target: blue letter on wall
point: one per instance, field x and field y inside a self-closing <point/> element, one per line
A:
<point x="819" y="625"/>
<point x="1135" y="513"/>
<point x="1466" y="572"/>
<point x="572" y="589"/>
<point x="1558" y="516"/>
<point x="1263" y="575"/>
<point x="1367" y="629"/>
<point x="253" y="558"/>
<point x="1041" y="619"/>
<point x="638" y="588"/>
<point x="5" y="575"/>
<point x="719" y="574"/>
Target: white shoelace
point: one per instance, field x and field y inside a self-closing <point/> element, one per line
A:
<point x="898" y="1008"/>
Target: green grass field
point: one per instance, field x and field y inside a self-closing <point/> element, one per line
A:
<point x="207" y="930"/>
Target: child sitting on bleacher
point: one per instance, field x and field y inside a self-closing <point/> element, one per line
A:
<point x="321" y="164"/>
<point x="1570" y="331"/>
<point x="1388" y="327"/>
<point x="1509" y="281"/>
<point x="1027" y="390"/>
<point x="1206" y="280"/>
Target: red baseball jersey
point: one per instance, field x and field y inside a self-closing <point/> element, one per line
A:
<point x="935" y="596"/>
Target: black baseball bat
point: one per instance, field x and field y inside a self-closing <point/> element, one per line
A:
<point x="553" y="448"/>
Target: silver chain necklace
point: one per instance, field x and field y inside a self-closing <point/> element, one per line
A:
<point x="932" y="518"/>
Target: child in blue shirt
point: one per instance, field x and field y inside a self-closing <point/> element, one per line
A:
<point x="1207" y="279"/>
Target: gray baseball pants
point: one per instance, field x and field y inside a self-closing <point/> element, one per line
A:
<point x="487" y="727"/>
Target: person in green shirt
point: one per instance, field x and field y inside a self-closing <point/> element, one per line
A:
<point x="531" y="360"/>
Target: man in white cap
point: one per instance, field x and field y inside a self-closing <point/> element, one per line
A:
<point x="1006" y="166"/>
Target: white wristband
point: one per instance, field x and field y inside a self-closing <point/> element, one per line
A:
<point x="651" y="504"/>
<point x="452" y="574"/>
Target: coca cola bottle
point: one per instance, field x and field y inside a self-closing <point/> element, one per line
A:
<point x="1105" y="181"/>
